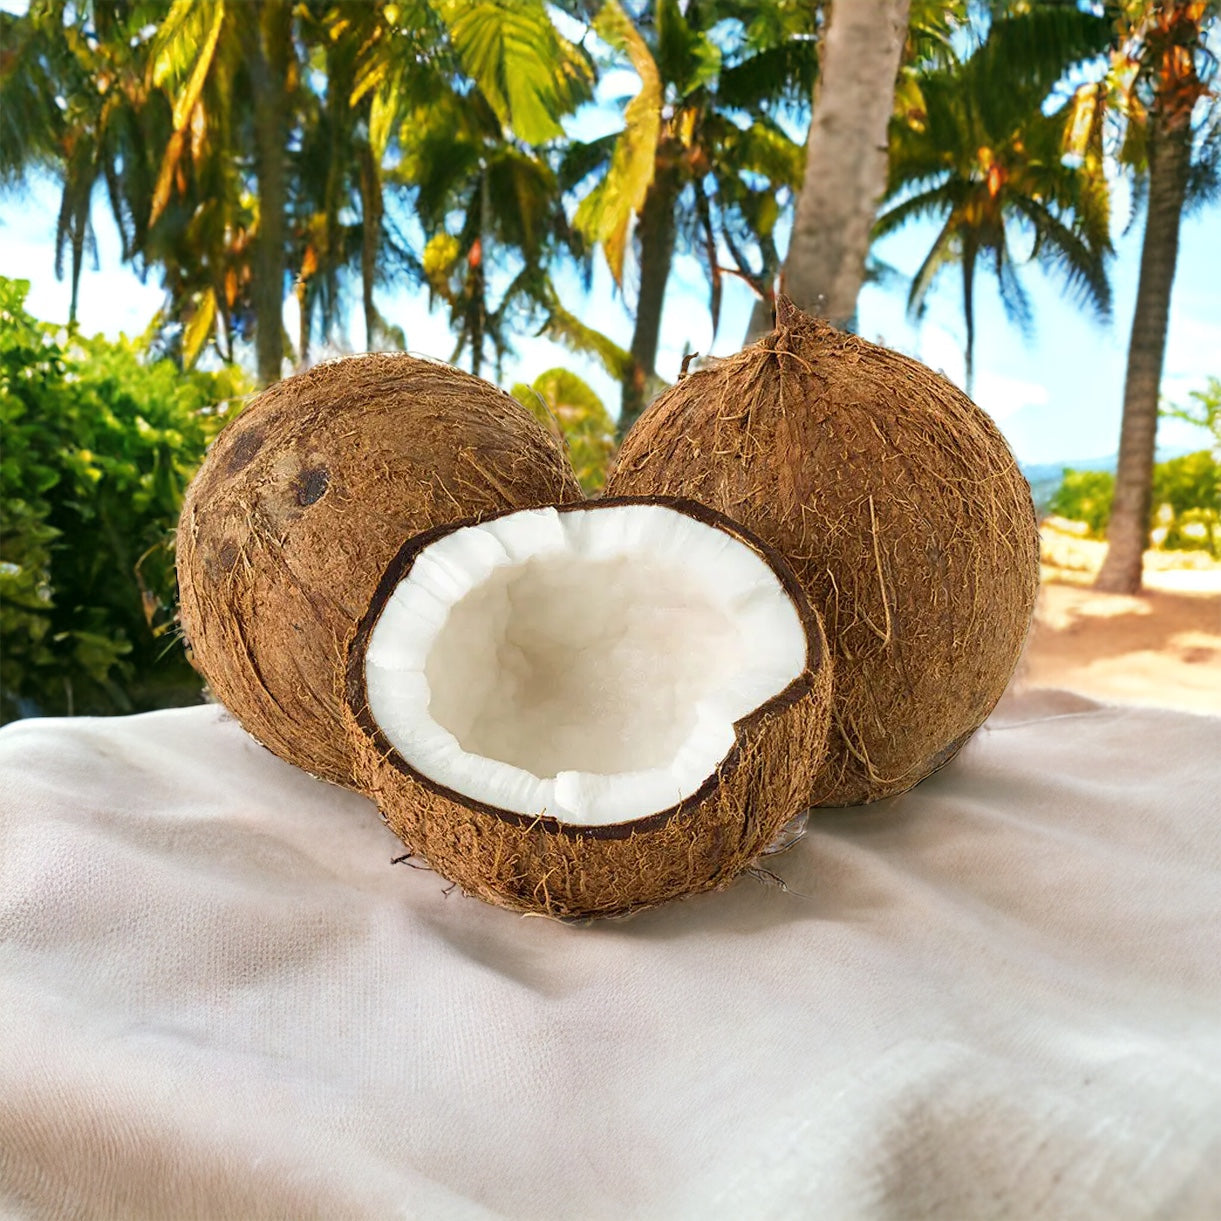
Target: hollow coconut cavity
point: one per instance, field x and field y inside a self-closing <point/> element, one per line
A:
<point x="303" y="500"/>
<point x="903" y="514"/>
<point x="591" y="708"/>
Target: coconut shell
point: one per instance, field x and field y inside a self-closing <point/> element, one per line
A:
<point x="902" y="511"/>
<point x="303" y="500"/>
<point x="533" y="863"/>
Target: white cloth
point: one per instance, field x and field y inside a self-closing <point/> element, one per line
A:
<point x="996" y="996"/>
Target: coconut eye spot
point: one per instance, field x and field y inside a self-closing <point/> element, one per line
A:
<point x="311" y="485"/>
<point x="590" y="665"/>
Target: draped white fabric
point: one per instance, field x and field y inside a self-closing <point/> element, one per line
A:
<point x="996" y="996"/>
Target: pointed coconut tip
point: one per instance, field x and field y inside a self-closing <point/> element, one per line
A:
<point x="590" y="714"/>
<point x="902" y="511"/>
<point x="301" y="502"/>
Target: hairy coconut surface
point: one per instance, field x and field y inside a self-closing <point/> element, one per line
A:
<point x="303" y="500"/>
<point x="902" y="511"/>
<point x="590" y="709"/>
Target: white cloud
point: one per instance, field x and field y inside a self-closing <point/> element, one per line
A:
<point x="1002" y="397"/>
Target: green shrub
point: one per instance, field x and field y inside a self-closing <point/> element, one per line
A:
<point x="98" y="447"/>
<point x="1186" y="502"/>
<point x="1085" y="496"/>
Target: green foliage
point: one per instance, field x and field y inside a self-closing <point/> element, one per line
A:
<point x="1187" y="502"/>
<point x="605" y="214"/>
<point x="1186" y="510"/>
<point x="1204" y="410"/>
<point x="98" y="448"/>
<point x="1085" y="496"/>
<point x="978" y="144"/>
<point x="571" y="411"/>
<point x="526" y="71"/>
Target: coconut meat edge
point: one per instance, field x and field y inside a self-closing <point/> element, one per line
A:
<point x="586" y="665"/>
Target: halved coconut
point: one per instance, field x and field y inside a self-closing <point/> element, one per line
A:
<point x="592" y="708"/>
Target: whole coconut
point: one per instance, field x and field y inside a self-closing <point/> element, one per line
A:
<point x="900" y="507"/>
<point x="301" y="503"/>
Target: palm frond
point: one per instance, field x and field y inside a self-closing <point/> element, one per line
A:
<point x="530" y="75"/>
<point x="686" y="57"/>
<point x="1065" y="251"/>
<point x="940" y="254"/>
<point x="936" y="201"/>
<point x="605" y="214"/>
<point x="1014" y="298"/>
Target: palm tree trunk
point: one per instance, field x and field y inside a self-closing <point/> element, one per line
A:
<point x="268" y="50"/>
<point x="968" y="312"/>
<point x="302" y="293"/>
<point x="656" y="229"/>
<point x="370" y="239"/>
<point x="1169" y="160"/>
<point x="846" y="159"/>
<point x="80" y="229"/>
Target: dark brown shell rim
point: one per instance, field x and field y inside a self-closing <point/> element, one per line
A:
<point x="397" y="570"/>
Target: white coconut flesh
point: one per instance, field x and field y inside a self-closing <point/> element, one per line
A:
<point x="588" y="665"/>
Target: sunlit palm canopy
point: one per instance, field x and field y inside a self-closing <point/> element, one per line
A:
<point x="723" y="88"/>
<point x="981" y="147"/>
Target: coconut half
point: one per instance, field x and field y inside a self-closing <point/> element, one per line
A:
<point x="590" y="708"/>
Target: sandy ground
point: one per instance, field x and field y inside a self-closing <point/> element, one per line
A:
<point x="1162" y="647"/>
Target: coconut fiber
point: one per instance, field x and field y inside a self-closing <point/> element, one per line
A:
<point x="301" y="503"/>
<point x="533" y="863"/>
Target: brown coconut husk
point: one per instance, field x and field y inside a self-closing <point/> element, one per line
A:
<point x="536" y="864"/>
<point x="303" y="500"/>
<point x="902" y="510"/>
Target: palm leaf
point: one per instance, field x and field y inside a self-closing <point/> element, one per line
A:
<point x="605" y="214"/>
<point x="686" y="57"/>
<point x="1014" y="297"/>
<point x="786" y="71"/>
<point x="184" y="46"/>
<point x="1062" y="248"/>
<point x="935" y="201"/>
<point x="571" y="410"/>
<point x="198" y="328"/>
<point x="941" y="253"/>
<point x="762" y="148"/>
<point x="567" y="329"/>
<point x="579" y="159"/>
<point x="530" y="75"/>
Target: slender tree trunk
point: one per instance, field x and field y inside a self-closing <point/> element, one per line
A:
<point x="370" y="239"/>
<point x="80" y="230"/>
<point x="656" y="229"/>
<point x="846" y="159"/>
<point x="1127" y="533"/>
<point x="268" y="50"/>
<point x="302" y="294"/>
<point x="968" y="312"/>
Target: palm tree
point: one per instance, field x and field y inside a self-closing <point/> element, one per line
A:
<point x="572" y="412"/>
<point x="239" y="67"/>
<point x="74" y="101"/>
<point x="1164" y="50"/>
<point x="466" y="135"/>
<point x="977" y="150"/>
<point x="701" y="159"/>
<point x="845" y="173"/>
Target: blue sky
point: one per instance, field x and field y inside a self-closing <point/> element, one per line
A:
<point x="1057" y="396"/>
